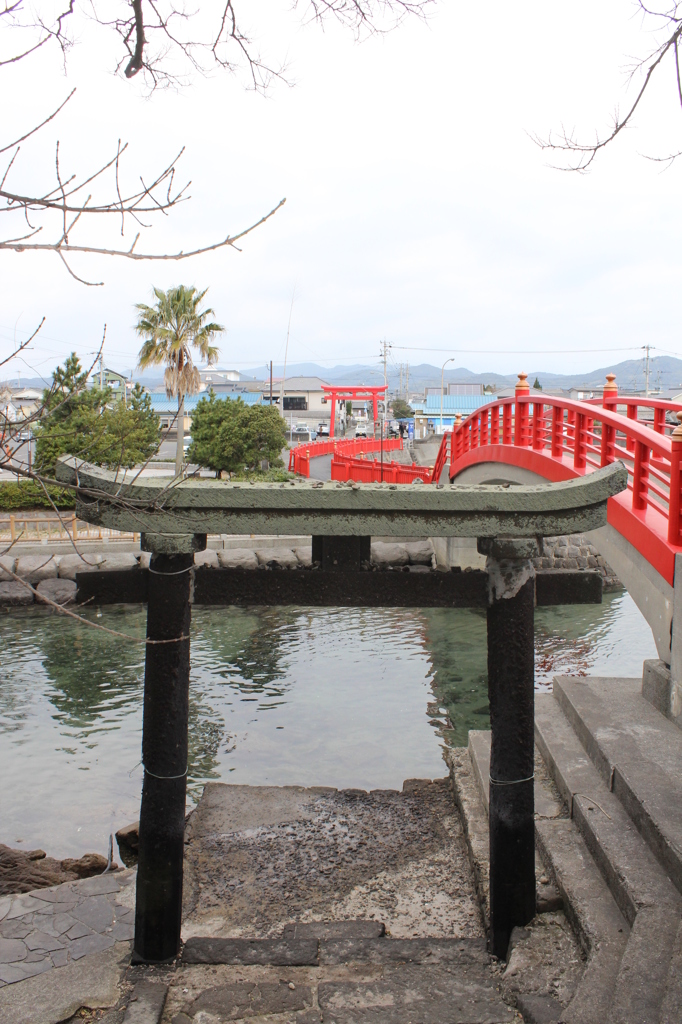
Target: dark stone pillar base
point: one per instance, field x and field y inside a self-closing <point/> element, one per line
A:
<point x="336" y="553"/>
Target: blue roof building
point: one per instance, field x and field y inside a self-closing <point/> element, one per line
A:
<point x="167" y="408"/>
<point x="427" y="413"/>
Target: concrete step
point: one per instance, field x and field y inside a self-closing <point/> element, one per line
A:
<point x="601" y="928"/>
<point x="645" y="895"/>
<point x="638" y="754"/>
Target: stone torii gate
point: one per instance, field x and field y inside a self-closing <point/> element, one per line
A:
<point x="371" y="394"/>
<point x="174" y="519"/>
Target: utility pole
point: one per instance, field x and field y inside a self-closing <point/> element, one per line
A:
<point x="401" y="379"/>
<point x="271" y="382"/>
<point x="646" y="370"/>
<point x="407" y="383"/>
<point x="386" y="347"/>
<point x="101" y="370"/>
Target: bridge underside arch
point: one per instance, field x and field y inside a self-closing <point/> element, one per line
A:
<point x="652" y="594"/>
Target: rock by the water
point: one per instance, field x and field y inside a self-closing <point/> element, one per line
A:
<point x="420" y="552"/>
<point x="305" y="556"/>
<point x="389" y="554"/>
<point x="119" y="560"/>
<point x="207" y="558"/>
<point x="35" y="568"/>
<point x="59" y="591"/>
<point x="7" y="563"/>
<point x="15" y="593"/>
<point x="25" y="870"/>
<point x="243" y="558"/>
<point x="128" y="839"/>
<point x="284" y="558"/>
<point x="69" y="565"/>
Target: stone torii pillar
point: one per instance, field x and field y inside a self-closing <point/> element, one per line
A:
<point x="158" y="906"/>
<point x="511" y="692"/>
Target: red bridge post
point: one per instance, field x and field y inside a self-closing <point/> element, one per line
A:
<point x="674" y="532"/>
<point x="608" y="433"/>
<point x="557" y="431"/>
<point x="521" y="412"/>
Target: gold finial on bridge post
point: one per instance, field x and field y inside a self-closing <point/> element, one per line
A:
<point x="458" y="419"/>
<point x="610" y="393"/>
<point x="522" y="385"/>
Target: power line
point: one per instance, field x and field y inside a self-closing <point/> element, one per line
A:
<point x="520" y="352"/>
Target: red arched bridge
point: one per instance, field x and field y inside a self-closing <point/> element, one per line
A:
<point x="537" y="437"/>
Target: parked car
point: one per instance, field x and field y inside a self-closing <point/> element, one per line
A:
<point x="394" y="429"/>
<point x="323" y="429"/>
<point x="303" y="428"/>
<point x="361" y="430"/>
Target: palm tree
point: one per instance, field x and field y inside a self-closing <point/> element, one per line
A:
<point x="170" y="330"/>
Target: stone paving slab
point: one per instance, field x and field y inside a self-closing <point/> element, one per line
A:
<point x="146" y="1002"/>
<point x="410" y="951"/>
<point x="246" y="999"/>
<point x="334" y="930"/>
<point x="50" y="928"/>
<point x="337" y="994"/>
<point x="55" y="995"/>
<point x="275" y="952"/>
<point x="258" y="857"/>
<point x="416" y="995"/>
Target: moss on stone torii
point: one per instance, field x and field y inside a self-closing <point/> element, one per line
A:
<point x="165" y="507"/>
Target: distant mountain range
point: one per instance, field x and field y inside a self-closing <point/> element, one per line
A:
<point x="664" y="372"/>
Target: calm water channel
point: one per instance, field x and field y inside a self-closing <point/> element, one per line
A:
<point x="347" y="697"/>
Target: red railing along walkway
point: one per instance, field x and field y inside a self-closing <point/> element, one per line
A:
<point x="300" y="456"/>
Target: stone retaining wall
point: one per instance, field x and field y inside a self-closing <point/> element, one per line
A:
<point x="574" y="552"/>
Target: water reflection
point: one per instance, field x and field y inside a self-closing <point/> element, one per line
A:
<point x="346" y="697"/>
<point x="455" y="640"/>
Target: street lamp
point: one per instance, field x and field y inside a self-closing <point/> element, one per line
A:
<point x="442" y="374"/>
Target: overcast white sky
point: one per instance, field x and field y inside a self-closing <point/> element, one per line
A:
<point x="418" y="209"/>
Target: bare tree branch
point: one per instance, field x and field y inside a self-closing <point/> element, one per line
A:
<point x="583" y="153"/>
<point x="167" y="40"/>
<point x="54" y="32"/>
<point x="37" y="128"/>
<point x="22" y="345"/>
<point x="62" y="246"/>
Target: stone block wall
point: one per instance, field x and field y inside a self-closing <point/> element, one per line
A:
<point x="574" y="552"/>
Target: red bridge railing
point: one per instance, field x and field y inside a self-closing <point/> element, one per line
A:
<point x="300" y="456"/>
<point x="372" y="471"/>
<point x="558" y="439"/>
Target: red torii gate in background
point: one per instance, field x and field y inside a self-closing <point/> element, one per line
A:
<point x="355" y="392"/>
